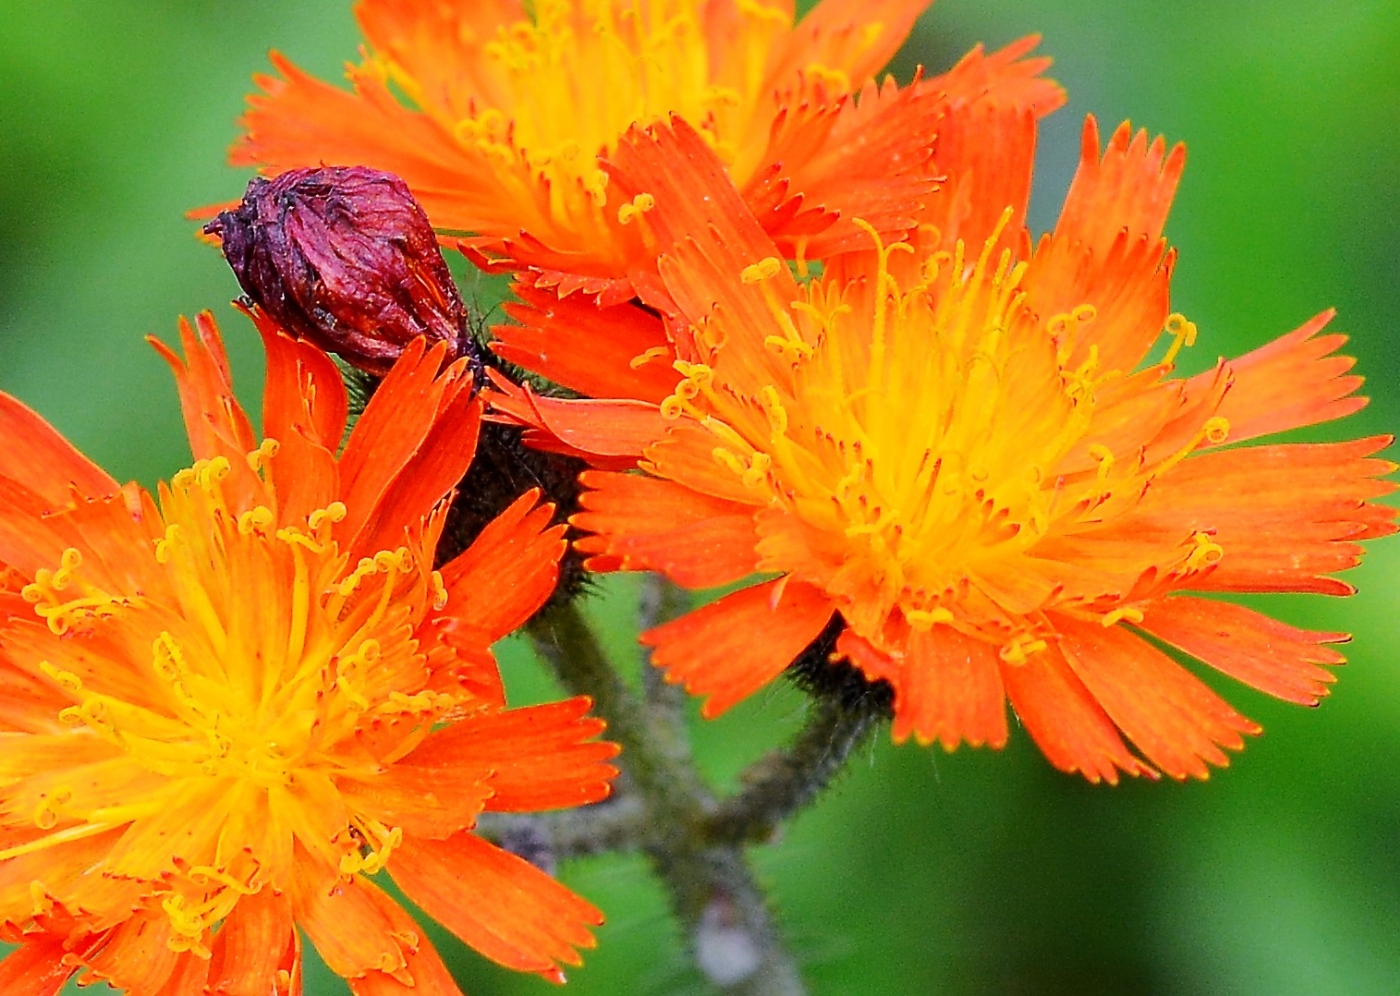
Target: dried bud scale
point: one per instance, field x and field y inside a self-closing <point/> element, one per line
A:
<point x="344" y="257"/>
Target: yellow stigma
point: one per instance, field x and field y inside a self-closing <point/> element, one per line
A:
<point x="933" y="431"/>
<point x="570" y="79"/>
<point x="232" y="691"/>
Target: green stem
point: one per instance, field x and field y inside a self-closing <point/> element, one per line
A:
<point x="713" y="892"/>
<point x="785" y="781"/>
<point x="661" y="602"/>
<point x="605" y="827"/>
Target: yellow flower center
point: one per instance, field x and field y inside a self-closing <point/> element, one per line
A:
<point x="918" y="437"/>
<point x="225" y="693"/>
<point x="559" y="89"/>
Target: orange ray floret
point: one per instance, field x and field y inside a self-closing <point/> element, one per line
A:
<point x="229" y="705"/>
<point x="961" y="446"/>
<point x="509" y="107"/>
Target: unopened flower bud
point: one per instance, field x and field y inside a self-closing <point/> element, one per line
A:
<point x="343" y="256"/>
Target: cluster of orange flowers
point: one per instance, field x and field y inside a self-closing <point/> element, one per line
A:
<point x="807" y="337"/>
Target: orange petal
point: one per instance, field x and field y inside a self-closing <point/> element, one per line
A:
<point x="1308" y="505"/>
<point x="854" y="37"/>
<point x="694" y="198"/>
<point x="425" y="801"/>
<point x="389" y="439"/>
<point x="947" y="688"/>
<point x="643" y="523"/>
<point x="537" y="757"/>
<point x="1107" y="250"/>
<point x="298" y="120"/>
<point x="831" y="163"/>
<point x="501" y="905"/>
<point x="987" y="107"/>
<point x="1066" y="721"/>
<point x="188" y="829"/>
<point x="438" y="45"/>
<point x="1170" y="715"/>
<point x="137" y="956"/>
<point x="424" y="973"/>
<point x="1010" y="77"/>
<point x="687" y="456"/>
<point x="617" y="352"/>
<point x="256" y="941"/>
<point x="442" y="459"/>
<point x="216" y="422"/>
<point x="36" y="967"/>
<point x="27" y="543"/>
<point x="1261" y="652"/>
<point x="49" y="465"/>
<point x="509" y="570"/>
<point x="604" y="433"/>
<point x="1291" y="382"/>
<point x="460" y="659"/>
<point x="713" y="652"/>
<point x="304" y="393"/>
<point x="191" y="975"/>
<point x="112" y="534"/>
<point x="345" y="922"/>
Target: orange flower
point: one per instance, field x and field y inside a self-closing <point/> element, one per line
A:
<point x="513" y="104"/>
<point x="960" y="446"/>
<point x="229" y="705"/>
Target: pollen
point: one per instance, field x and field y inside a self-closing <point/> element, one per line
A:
<point x="257" y="682"/>
<point x="904" y="432"/>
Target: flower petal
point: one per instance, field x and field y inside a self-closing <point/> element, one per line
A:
<point x="1307" y="509"/>
<point x="617" y="352"/>
<point x="605" y="433"/>
<point x="947" y="687"/>
<point x="431" y="802"/>
<point x="694" y="197"/>
<point x="304" y="393"/>
<point x="345" y="922"/>
<point x="424" y="973"/>
<point x="1169" y="714"/>
<point x="501" y="905"/>
<point x="216" y="422"/>
<point x="509" y="571"/>
<point x="835" y="162"/>
<point x="643" y="523"/>
<point x="255" y="943"/>
<point x="1107" y="250"/>
<point x="1289" y="383"/>
<point x="1066" y="721"/>
<point x="299" y="120"/>
<point x="50" y="466"/>
<point x="854" y="37"/>
<point x="389" y="442"/>
<point x="137" y="956"/>
<point x="1261" y="652"/>
<point x="713" y="652"/>
<point x="537" y="757"/>
<point x="36" y="967"/>
<point x="985" y="147"/>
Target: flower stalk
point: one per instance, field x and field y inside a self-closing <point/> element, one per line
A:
<point x="713" y="892"/>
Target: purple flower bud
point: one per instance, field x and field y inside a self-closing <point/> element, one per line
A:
<point x="343" y="256"/>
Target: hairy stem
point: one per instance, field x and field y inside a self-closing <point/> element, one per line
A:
<point x="661" y="602"/>
<point x="713" y="892"/>
<point x="784" y="781"/>
<point x="547" y="838"/>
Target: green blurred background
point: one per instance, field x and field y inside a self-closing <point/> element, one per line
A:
<point x="921" y="872"/>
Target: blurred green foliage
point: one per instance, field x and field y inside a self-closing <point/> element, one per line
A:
<point x="975" y="873"/>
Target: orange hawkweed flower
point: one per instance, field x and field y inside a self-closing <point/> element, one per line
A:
<point x="228" y="705"/>
<point x="513" y="104"/>
<point x="959" y="445"/>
